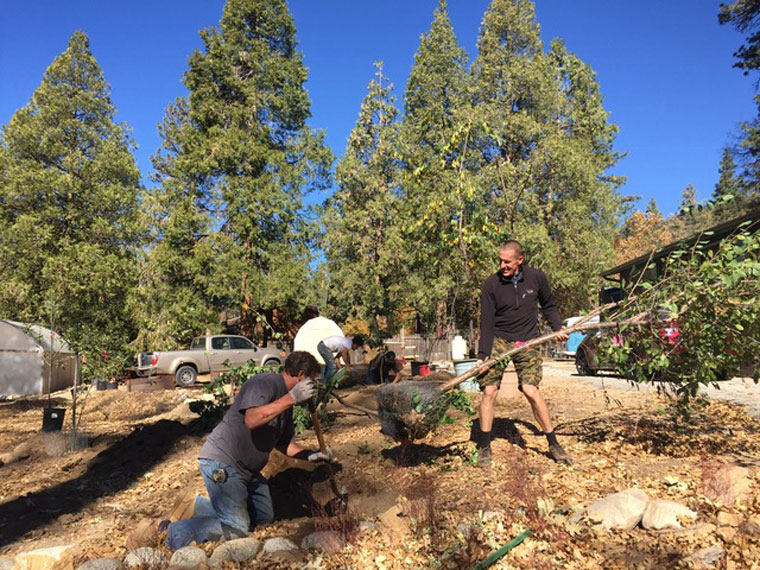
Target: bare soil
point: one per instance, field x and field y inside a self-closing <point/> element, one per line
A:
<point x="433" y="507"/>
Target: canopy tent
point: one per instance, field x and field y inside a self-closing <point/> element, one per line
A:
<point x="25" y="354"/>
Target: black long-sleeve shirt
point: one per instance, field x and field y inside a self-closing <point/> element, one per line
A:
<point x="509" y="308"/>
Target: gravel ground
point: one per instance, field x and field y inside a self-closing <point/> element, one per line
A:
<point x="741" y="391"/>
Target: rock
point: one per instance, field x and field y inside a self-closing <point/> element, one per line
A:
<point x="279" y="544"/>
<point x="238" y="550"/>
<point x="621" y="510"/>
<point x="6" y="563"/>
<point x="661" y="514"/>
<point x="40" y="559"/>
<point x="706" y="557"/>
<point x="188" y="557"/>
<point x="729" y="483"/>
<point x="101" y="564"/>
<point x="145" y="558"/>
<point x="729" y="519"/>
<point x="393" y="520"/>
<point x="324" y="541"/>
<point x="727" y="534"/>
<point x="367" y="526"/>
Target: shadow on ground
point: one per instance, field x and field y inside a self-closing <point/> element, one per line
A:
<point x="111" y="471"/>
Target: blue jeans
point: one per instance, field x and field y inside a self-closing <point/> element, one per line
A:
<point x="232" y="505"/>
<point x="330" y="367"/>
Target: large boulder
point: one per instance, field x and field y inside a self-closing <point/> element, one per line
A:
<point x="145" y="558"/>
<point x="326" y="541"/>
<point x="239" y="550"/>
<point x="729" y="483"/>
<point x="621" y="510"/>
<point x="42" y="558"/>
<point x="188" y="558"/>
<point x="661" y="514"/>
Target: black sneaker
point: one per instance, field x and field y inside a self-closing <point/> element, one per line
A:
<point x="560" y="455"/>
<point x="484" y="457"/>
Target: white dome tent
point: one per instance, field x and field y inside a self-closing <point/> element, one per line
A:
<point x="25" y="352"/>
<point x="313" y="331"/>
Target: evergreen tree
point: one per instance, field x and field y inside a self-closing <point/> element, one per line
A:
<point x="362" y="243"/>
<point x="69" y="221"/>
<point x="435" y="104"/>
<point x="728" y="184"/>
<point x="245" y="155"/>
<point x="544" y="145"/>
<point x="652" y="209"/>
<point x="744" y="15"/>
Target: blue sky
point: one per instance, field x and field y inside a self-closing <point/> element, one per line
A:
<point x="664" y="67"/>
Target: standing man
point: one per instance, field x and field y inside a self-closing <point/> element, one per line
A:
<point x="335" y="348"/>
<point x="259" y="420"/>
<point x="509" y="316"/>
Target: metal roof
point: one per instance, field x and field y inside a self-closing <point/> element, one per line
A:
<point x="710" y="235"/>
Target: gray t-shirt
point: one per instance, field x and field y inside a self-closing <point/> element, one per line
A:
<point x="248" y="450"/>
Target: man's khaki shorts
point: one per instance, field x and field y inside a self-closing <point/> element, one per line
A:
<point x="528" y="364"/>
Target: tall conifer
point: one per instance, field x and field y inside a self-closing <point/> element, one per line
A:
<point x="362" y="243"/>
<point x="435" y="105"/>
<point x="544" y="145"/>
<point x="69" y="220"/>
<point x="248" y="157"/>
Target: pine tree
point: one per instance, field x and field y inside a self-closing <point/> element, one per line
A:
<point x="728" y="183"/>
<point x="248" y="157"/>
<point x="362" y="243"/>
<point x="69" y="221"/>
<point x="652" y="209"/>
<point x="744" y="16"/>
<point x="435" y="105"/>
<point x="544" y="145"/>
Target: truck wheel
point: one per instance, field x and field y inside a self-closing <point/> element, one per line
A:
<point x="185" y="376"/>
<point x="581" y="364"/>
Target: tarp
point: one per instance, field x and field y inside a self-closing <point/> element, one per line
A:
<point x="312" y="332"/>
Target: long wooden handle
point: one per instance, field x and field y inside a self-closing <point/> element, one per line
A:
<point x="581" y="325"/>
<point x="323" y="449"/>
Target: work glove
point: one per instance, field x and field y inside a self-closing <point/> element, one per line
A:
<point x="316" y="456"/>
<point x="303" y="391"/>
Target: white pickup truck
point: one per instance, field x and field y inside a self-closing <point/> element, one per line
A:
<point x="206" y="354"/>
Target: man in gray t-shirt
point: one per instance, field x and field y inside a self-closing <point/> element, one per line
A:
<point x="259" y="420"/>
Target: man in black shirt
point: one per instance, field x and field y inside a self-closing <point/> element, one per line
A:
<point x="509" y="316"/>
<point x="259" y="420"/>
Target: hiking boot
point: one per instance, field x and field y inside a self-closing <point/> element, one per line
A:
<point x="559" y="454"/>
<point x="484" y="457"/>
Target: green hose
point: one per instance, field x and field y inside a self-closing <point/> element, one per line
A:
<point x="496" y="554"/>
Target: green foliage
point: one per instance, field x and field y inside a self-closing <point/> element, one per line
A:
<point x="431" y="146"/>
<point x="711" y="296"/>
<point x="542" y="143"/>
<point x="230" y="233"/>
<point x="361" y="239"/>
<point x="70" y="226"/>
<point x="744" y="15"/>
<point x="519" y="147"/>
<point x="225" y="384"/>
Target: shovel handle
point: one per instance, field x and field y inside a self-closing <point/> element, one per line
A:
<point x="323" y="449"/>
<point x="581" y="325"/>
